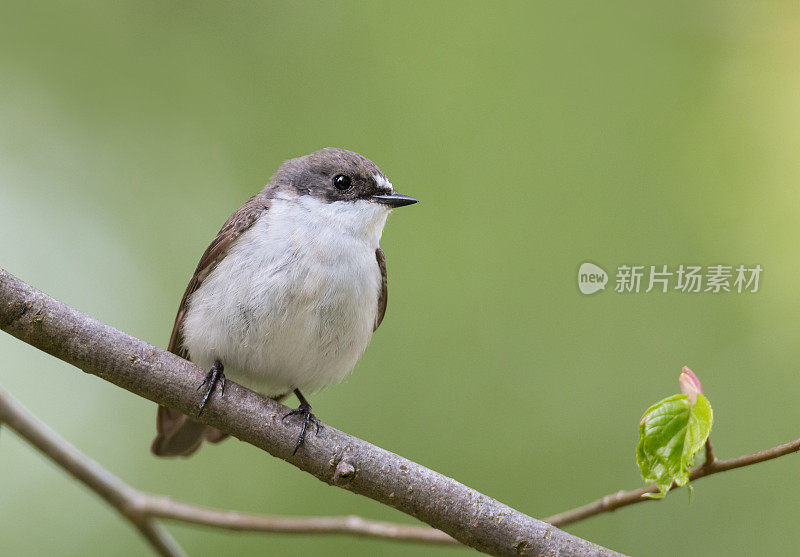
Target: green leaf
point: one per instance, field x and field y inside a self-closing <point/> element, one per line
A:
<point x="670" y="434"/>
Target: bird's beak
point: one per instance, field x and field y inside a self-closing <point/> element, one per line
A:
<point x="394" y="200"/>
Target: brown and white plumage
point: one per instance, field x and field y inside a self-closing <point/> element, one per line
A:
<point x="289" y="292"/>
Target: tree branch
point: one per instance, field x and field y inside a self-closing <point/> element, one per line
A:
<point x="711" y="466"/>
<point x="117" y="493"/>
<point x="141" y="508"/>
<point x="332" y="456"/>
<point x="163" y="507"/>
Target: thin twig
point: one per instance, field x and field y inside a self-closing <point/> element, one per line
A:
<point x="711" y="466"/>
<point x="117" y="493"/>
<point x="332" y="456"/>
<point x="143" y="508"/>
<point x="710" y="458"/>
<point x="162" y="541"/>
<point x="163" y="507"/>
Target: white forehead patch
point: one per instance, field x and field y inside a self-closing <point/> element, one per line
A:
<point x="383" y="182"/>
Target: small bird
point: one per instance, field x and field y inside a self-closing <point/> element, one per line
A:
<point x="287" y="296"/>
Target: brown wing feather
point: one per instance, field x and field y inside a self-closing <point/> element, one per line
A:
<point x="242" y="219"/>
<point x="177" y="435"/>
<point x="383" y="295"/>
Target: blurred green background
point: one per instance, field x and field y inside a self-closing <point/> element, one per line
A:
<point x="538" y="136"/>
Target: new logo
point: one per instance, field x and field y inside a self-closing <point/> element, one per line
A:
<point x="591" y="278"/>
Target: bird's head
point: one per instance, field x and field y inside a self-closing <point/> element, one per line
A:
<point x="340" y="185"/>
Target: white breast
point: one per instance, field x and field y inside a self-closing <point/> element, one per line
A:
<point x="293" y="304"/>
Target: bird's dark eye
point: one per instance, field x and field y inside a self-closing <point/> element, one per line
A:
<point x="341" y="182"/>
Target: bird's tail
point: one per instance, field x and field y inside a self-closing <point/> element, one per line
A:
<point x="179" y="435"/>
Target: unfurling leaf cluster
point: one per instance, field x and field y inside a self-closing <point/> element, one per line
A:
<point x="671" y="433"/>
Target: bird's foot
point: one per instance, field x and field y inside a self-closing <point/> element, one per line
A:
<point x="215" y="375"/>
<point x="308" y="418"/>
